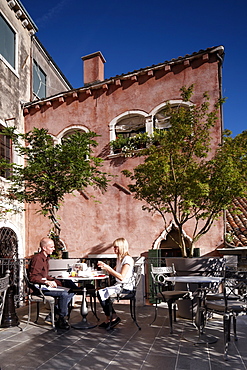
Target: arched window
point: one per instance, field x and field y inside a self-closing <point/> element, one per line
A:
<point x="130" y="126"/>
<point x="66" y="133"/>
<point x="161" y="121"/>
<point x="8" y="243"/>
<point x="70" y="131"/>
<point x="126" y="126"/>
<point x="9" y="256"/>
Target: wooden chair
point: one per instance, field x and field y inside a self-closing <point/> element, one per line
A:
<point x="164" y="291"/>
<point x="4" y="284"/>
<point x="35" y="295"/>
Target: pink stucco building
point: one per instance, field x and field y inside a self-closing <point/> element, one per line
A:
<point x="126" y="103"/>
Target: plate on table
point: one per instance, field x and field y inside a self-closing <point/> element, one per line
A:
<point x="85" y="276"/>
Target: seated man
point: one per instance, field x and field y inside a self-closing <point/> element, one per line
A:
<point x="38" y="274"/>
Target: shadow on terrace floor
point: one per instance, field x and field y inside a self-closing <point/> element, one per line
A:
<point x="125" y="347"/>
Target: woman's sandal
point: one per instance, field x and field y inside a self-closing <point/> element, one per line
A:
<point x="113" y="323"/>
<point x="103" y="325"/>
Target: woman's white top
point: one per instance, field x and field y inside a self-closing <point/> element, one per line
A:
<point x="127" y="283"/>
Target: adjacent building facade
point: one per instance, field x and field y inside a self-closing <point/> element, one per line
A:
<point x="27" y="73"/>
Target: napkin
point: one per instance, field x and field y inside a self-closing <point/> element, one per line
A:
<point x="108" y="291"/>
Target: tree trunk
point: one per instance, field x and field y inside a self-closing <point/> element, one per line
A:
<point x="182" y="242"/>
<point x="55" y="233"/>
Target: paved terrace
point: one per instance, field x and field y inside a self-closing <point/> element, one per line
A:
<point x="125" y="347"/>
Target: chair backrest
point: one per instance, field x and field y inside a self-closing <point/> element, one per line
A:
<point x="4" y="284"/>
<point x="218" y="268"/>
<point x="159" y="273"/>
<point x="201" y="266"/>
<point x="30" y="287"/>
<point x="236" y="287"/>
<point x="137" y="275"/>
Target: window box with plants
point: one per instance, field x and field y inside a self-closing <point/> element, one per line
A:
<point x="128" y="145"/>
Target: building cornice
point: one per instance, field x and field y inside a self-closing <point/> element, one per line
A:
<point x="118" y="80"/>
<point x="22" y="14"/>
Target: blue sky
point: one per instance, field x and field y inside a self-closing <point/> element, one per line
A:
<point x="133" y="34"/>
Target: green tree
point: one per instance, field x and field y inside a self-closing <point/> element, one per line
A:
<point x="7" y="204"/>
<point x="184" y="177"/>
<point x="52" y="170"/>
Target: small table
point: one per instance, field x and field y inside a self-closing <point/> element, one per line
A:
<point x="83" y="324"/>
<point x="199" y="319"/>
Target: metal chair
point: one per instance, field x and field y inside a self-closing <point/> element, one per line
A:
<point x="131" y="295"/>
<point x="35" y="295"/>
<point x="229" y="307"/>
<point x="164" y="291"/>
<point x="4" y="284"/>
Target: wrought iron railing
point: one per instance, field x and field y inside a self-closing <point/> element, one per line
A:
<point x="15" y="266"/>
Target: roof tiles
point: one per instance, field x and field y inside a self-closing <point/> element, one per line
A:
<point x="236" y="223"/>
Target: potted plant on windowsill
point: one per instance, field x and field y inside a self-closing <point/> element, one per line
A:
<point x="128" y="145"/>
<point x="141" y="140"/>
<point x="119" y="143"/>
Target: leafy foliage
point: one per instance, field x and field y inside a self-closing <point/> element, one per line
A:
<point x="184" y="177"/>
<point x="53" y="170"/>
<point x="7" y="204"/>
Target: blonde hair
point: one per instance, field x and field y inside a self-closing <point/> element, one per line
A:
<point x="123" y="247"/>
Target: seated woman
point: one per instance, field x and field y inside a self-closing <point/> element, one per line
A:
<point x="123" y="274"/>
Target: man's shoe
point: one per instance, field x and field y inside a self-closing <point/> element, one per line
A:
<point x="113" y="323"/>
<point x="63" y="324"/>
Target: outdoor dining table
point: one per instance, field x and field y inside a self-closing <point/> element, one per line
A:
<point x="84" y="324"/>
<point x="199" y="320"/>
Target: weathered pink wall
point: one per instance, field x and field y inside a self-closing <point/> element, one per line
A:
<point x="89" y="227"/>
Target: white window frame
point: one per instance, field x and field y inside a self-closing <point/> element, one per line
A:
<point x="113" y="123"/>
<point x="15" y="68"/>
<point x="178" y="102"/>
<point x="71" y="129"/>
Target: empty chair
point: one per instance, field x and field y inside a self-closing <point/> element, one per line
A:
<point x="229" y="307"/>
<point x="35" y="295"/>
<point x="164" y="290"/>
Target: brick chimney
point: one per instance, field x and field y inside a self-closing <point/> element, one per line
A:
<point x="93" y="68"/>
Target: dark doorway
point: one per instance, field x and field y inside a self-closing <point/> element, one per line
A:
<point x="169" y="245"/>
